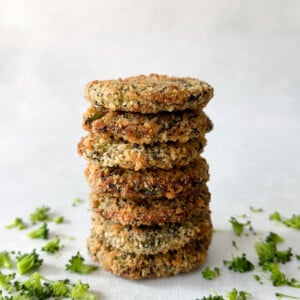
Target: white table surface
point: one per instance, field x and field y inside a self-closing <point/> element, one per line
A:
<point x="248" y="50"/>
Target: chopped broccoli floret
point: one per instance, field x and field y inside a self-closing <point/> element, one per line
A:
<point x="256" y="210"/>
<point x="211" y="274"/>
<point x="277" y="277"/>
<point x="239" y="264"/>
<point x="5" y="260"/>
<point x="81" y="291"/>
<point x="267" y="252"/>
<point x="52" y="246"/>
<point x="237" y="295"/>
<point x="239" y="227"/>
<point x="40" y="233"/>
<point x="28" y="261"/>
<point x="60" y="288"/>
<point x="293" y="222"/>
<point x="274" y="238"/>
<point x="41" y="214"/>
<point x="281" y="296"/>
<point x="212" y="297"/>
<point x="58" y="219"/>
<point x="6" y="281"/>
<point x="34" y="287"/>
<point x="77" y="201"/>
<point x="76" y="265"/>
<point x="17" y="223"/>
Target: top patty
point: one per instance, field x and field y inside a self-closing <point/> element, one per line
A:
<point x="149" y="94"/>
<point x="139" y="128"/>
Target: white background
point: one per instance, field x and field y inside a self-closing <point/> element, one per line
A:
<point x="248" y="50"/>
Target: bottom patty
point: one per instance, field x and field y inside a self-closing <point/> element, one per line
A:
<point x="151" y="211"/>
<point x="133" y="266"/>
<point x="150" y="239"/>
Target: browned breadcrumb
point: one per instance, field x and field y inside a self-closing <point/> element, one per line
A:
<point x="126" y="183"/>
<point x="134" y="156"/>
<point x="152" y="211"/>
<point x="139" y="128"/>
<point x="149" y="94"/>
<point x="130" y="265"/>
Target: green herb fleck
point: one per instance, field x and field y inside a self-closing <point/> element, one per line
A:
<point x="257" y="278"/>
<point x="235" y="245"/>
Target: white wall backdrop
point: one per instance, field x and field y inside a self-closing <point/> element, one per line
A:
<point x="248" y="50"/>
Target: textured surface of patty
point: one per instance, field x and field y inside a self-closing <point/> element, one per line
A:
<point x="126" y="183"/>
<point x="150" y="239"/>
<point x="139" y="128"/>
<point x="132" y="266"/>
<point x="134" y="156"/>
<point x="149" y="94"/>
<point x="152" y="211"/>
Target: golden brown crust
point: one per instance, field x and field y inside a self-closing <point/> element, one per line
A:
<point x="149" y="94"/>
<point x="133" y="266"/>
<point x="152" y="211"/>
<point x="126" y="183"/>
<point x="139" y="128"/>
<point x="134" y="156"/>
<point x="150" y="239"/>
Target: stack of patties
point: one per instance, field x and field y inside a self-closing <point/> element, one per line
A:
<point x="149" y="198"/>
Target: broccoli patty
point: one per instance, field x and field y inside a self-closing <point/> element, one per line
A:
<point x="126" y="183"/>
<point x="149" y="94"/>
<point x="150" y="239"/>
<point x="132" y="266"/>
<point x="152" y="211"/>
<point x="134" y="156"/>
<point x="137" y="128"/>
